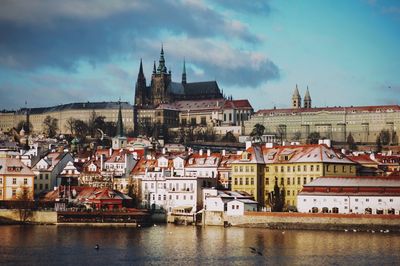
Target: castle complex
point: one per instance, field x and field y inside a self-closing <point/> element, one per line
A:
<point x="295" y="124"/>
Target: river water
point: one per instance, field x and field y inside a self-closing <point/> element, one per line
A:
<point x="189" y="245"/>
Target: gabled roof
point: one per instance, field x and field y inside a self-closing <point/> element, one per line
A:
<point x="204" y="87"/>
<point x="14" y="166"/>
<point x="233" y="104"/>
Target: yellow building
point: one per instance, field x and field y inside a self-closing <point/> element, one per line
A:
<point x="63" y="113"/>
<point x="16" y="180"/>
<point x="294" y="166"/>
<point x="248" y="173"/>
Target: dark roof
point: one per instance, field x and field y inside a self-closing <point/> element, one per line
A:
<point x="205" y="87"/>
<point x="78" y="106"/>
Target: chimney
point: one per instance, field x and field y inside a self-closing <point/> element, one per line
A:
<point x="101" y="162"/>
<point x="163" y="151"/>
<point x="208" y="152"/>
<point x="223" y="153"/>
<point x="110" y="152"/>
<point x="248" y="144"/>
<point x="201" y="152"/>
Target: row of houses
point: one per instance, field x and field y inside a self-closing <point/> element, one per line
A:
<point x="167" y="180"/>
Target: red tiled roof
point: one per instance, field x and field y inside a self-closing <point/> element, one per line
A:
<point x="371" y="108"/>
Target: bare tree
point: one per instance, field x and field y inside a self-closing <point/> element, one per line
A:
<point x="50" y="125"/>
<point x="24" y="198"/>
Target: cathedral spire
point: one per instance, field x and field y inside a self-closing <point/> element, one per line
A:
<point x="307" y="99"/>
<point x="154" y="67"/>
<point x="141" y="74"/>
<point x="184" y="72"/>
<point x="296" y="99"/>
<point x="161" y="63"/>
<point x="120" y="125"/>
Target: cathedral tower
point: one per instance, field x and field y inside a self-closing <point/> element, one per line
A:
<point x="296" y="99"/>
<point x="307" y="99"/>
<point x="160" y="82"/>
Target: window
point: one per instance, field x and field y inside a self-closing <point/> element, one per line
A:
<point x="203" y="120"/>
<point x="288" y="168"/>
<point x="159" y="197"/>
<point x="236" y="181"/>
<point x="46" y="186"/>
<point x="14" y="181"/>
<point x="191" y="197"/>
<point x="298" y="181"/>
<point x="367" y="200"/>
<point x="317" y="167"/>
<point x="170" y="197"/>
<point x="230" y="117"/>
<point x="298" y="168"/>
<point x="25" y="181"/>
<point x="252" y="181"/>
<point x="344" y="169"/>
<point x="282" y="169"/>
<point x="235" y="169"/>
<point x="177" y="197"/>
<point x="47" y="176"/>
<point x="40" y="176"/>
<point x="184" y="197"/>
<point x="240" y="168"/>
<point x="304" y="168"/>
<point x="391" y="200"/>
<point x="288" y="181"/>
<point x="288" y="192"/>
<point x="240" y="181"/>
<point x="14" y="192"/>
<point x="40" y="186"/>
<point x="252" y="168"/>
<point x="276" y="168"/>
<point x="356" y="200"/>
<point x="304" y="180"/>
<point x="311" y="168"/>
<point x="334" y="169"/>
<point x="247" y="168"/>
<point x="247" y="181"/>
<point x="379" y="200"/>
<point x="282" y="181"/>
<point x="266" y="169"/>
<point x="267" y="181"/>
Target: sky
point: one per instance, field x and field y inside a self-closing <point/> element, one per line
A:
<point x="346" y="51"/>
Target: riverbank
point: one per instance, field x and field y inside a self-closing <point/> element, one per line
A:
<point x="307" y="221"/>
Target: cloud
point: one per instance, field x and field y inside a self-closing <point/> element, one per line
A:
<point x="217" y="60"/>
<point x="62" y="33"/>
<point x="254" y="6"/>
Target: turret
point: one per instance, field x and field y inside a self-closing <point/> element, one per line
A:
<point x="307" y="99"/>
<point x="161" y="63"/>
<point x="296" y="99"/>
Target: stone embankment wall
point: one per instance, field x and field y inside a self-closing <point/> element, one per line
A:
<point x="39" y="217"/>
<point x="316" y="221"/>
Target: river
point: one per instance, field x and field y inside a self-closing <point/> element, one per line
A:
<point x="189" y="245"/>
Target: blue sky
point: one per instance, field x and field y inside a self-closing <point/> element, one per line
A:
<point x="346" y="52"/>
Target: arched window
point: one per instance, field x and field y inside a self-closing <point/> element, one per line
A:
<point x="335" y="210"/>
<point x="314" y="210"/>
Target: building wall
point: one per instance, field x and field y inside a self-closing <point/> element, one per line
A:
<point x="248" y="177"/>
<point x="336" y="125"/>
<point x="11" y="186"/>
<point x="349" y="204"/>
<point x="292" y="176"/>
<point x="111" y="115"/>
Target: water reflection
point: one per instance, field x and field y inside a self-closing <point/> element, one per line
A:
<point x="180" y="245"/>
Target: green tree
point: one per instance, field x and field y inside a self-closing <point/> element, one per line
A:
<point x="378" y="144"/>
<point x="50" y="125"/>
<point x="276" y="198"/>
<point x="229" y="137"/>
<point x="313" y="138"/>
<point x="257" y="132"/>
<point x="22" y="124"/>
<point x="384" y="135"/>
<point x="350" y="141"/>
<point x="81" y="129"/>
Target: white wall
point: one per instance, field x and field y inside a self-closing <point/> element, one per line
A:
<point x="348" y="204"/>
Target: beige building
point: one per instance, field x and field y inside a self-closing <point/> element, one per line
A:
<point x="62" y="113"/>
<point x="16" y="180"/>
<point x="296" y="123"/>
